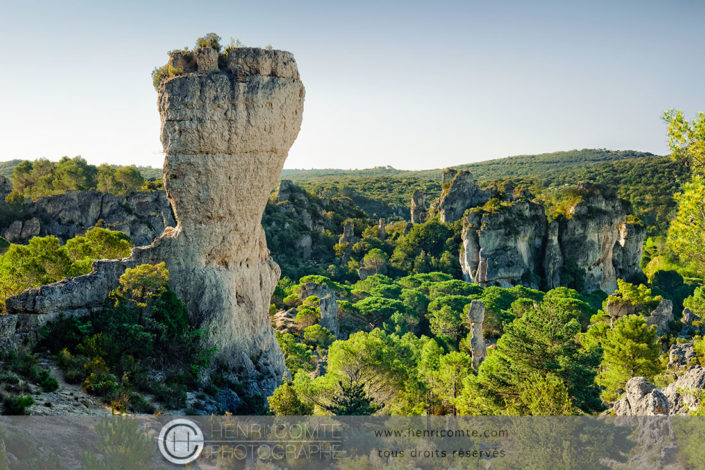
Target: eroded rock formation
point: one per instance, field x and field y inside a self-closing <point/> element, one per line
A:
<point x="476" y="316"/>
<point x="513" y="243"/>
<point x="418" y="207"/>
<point x="143" y="216"/>
<point x="226" y="133"/>
<point x="459" y="193"/>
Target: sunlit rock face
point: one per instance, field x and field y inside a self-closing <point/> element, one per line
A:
<point x="227" y="126"/>
<point x="516" y="244"/>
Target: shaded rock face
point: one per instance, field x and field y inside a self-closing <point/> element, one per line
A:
<point x="143" y="216"/>
<point x="599" y="243"/>
<point x="516" y="244"/>
<point x="327" y="303"/>
<point x="462" y="193"/>
<point x="226" y="136"/>
<point x="661" y="316"/>
<point x="418" y="207"/>
<point x="476" y="316"/>
<point x="504" y="248"/>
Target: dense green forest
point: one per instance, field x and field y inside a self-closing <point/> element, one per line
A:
<point x="404" y="341"/>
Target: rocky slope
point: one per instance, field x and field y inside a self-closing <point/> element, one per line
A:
<point x="512" y="242"/>
<point x="226" y="133"/>
<point x="143" y="216"/>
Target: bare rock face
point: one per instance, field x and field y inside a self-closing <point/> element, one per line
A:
<point x="661" y="316"/>
<point x="462" y="193"/>
<point x="684" y="394"/>
<point x="476" y="316"/>
<point x="642" y="399"/>
<point x="143" y="216"/>
<point x="513" y="243"/>
<point x="418" y="207"/>
<point x="381" y="229"/>
<point x="504" y="248"/>
<point x="226" y="133"/>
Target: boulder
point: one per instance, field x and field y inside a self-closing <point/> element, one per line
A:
<point x="641" y="399"/>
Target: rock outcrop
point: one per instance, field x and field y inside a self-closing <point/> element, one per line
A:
<point x="462" y="193"/>
<point x="641" y="399"/>
<point x="513" y="242"/>
<point x="476" y="316"/>
<point x="661" y="316"/>
<point x="680" y="397"/>
<point x="506" y="247"/>
<point x="418" y="207"/>
<point x="143" y="216"/>
<point x="327" y="303"/>
<point x="684" y="395"/>
<point x="226" y="133"/>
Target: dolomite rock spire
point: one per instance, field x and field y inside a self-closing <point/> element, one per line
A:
<point x="227" y="126"/>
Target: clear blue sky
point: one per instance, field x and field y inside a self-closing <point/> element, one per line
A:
<point x="403" y="83"/>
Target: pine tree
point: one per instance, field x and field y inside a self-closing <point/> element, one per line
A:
<point x="631" y="349"/>
<point x="352" y="400"/>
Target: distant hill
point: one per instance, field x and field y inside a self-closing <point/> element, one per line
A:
<point x="647" y="180"/>
<point x="533" y="166"/>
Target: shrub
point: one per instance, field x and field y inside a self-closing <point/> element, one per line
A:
<point x="17" y="405"/>
<point x="210" y="40"/>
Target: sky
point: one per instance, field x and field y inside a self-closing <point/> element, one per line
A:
<point x="410" y="84"/>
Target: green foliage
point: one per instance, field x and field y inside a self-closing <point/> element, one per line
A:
<point x="543" y="342"/>
<point x="122" y="443"/>
<point x="210" y="40"/>
<point x="352" y="400"/>
<point x="297" y="356"/>
<point x="17" y="405"/>
<point x="285" y="402"/>
<point x="640" y="296"/>
<point x="696" y="302"/>
<point x="686" y="140"/>
<point x="43" y="178"/>
<point x="143" y="327"/>
<point x="631" y="349"/>
<point x="545" y="395"/>
<point x="318" y="336"/>
<point x="44" y="260"/>
<point x="686" y="236"/>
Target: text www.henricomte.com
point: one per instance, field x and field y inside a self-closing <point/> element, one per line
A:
<point x="442" y="433"/>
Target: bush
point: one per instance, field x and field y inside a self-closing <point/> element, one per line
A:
<point x="18" y="405"/>
<point x="210" y="40"/>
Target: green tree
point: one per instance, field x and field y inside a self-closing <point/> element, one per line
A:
<point x="696" y="302"/>
<point x="285" y="402"/>
<point x="542" y="341"/>
<point x="545" y="395"/>
<point x="686" y="236"/>
<point x="318" y="336"/>
<point x="447" y="381"/>
<point x="352" y="400"/>
<point x="686" y="139"/>
<point x="375" y="260"/>
<point x="631" y="349"/>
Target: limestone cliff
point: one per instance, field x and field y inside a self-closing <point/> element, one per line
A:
<point x="226" y="131"/>
<point x="459" y="193"/>
<point x="504" y="247"/>
<point x="143" y="216"/>
<point x="513" y="242"/>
